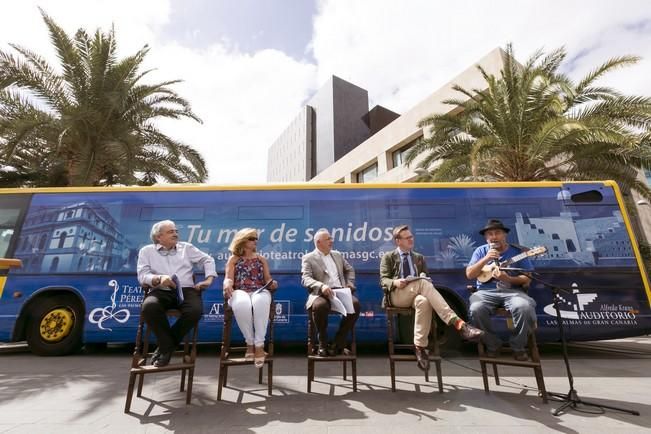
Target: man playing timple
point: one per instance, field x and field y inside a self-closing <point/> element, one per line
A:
<point x="322" y="270"/>
<point x="157" y="263"/>
<point x="395" y="270"/>
<point x="504" y="289"/>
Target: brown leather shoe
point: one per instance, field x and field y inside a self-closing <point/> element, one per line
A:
<point x="422" y="358"/>
<point x="470" y="333"/>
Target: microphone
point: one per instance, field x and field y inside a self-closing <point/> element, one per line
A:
<point x="494" y="246"/>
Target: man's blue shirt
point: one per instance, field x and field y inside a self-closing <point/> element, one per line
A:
<point x="495" y="284"/>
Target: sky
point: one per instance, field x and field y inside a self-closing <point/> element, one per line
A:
<point x="248" y="66"/>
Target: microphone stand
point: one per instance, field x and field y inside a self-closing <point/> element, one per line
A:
<point x="570" y="399"/>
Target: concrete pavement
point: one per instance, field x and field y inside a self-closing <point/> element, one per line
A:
<point x="86" y="393"/>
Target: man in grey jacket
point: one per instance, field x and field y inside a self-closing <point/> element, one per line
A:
<point x="323" y="270"/>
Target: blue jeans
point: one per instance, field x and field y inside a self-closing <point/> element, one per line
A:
<point x="523" y="310"/>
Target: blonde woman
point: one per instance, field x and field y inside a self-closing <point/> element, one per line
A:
<point x="247" y="271"/>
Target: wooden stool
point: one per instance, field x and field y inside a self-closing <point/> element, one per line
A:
<point x="313" y="357"/>
<point x="228" y="358"/>
<point x="434" y="356"/>
<point x="141" y="353"/>
<point x="534" y="364"/>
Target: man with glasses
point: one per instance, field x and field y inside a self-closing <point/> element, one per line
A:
<point x="166" y="266"/>
<point x="324" y="270"/>
<point x="403" y="276"/>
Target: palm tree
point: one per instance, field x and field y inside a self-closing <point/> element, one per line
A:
<point x="533" y="123"/>
<point x="92" y="124"/>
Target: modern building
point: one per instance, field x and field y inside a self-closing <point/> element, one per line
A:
<point x="380" y="158"/>
<point x="332" y="123"/>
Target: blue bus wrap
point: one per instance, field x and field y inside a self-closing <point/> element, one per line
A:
<point x="83" y="244"/>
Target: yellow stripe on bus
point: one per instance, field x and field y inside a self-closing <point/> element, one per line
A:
<point x="290" y="186"/>
<point x="3" y="279"/>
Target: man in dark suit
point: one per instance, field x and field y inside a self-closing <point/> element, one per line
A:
<point x="397" y="272"/>
<point x="323" y="270"/>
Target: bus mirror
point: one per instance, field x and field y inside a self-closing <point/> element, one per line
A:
<point x="10" y="263"/>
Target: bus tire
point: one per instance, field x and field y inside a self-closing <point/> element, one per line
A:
<point x="55" y="325"/>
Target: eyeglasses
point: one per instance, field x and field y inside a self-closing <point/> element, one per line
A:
<point x="252" y="238"/>
<point x="165" y="252"/>
<point x="406" y="238"/>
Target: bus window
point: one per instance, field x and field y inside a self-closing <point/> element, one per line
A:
<point x="175" y="213"/>
<point x="11" y="212"/>
<point x="267" y="212"/>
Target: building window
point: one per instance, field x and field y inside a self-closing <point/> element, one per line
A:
<point x="54" y="264"/>
<point x="62" y="239"/>
<point x="368" y="174"/>
<point x="399" y="156"/>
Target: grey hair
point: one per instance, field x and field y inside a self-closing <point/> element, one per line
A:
<point x="318" y="234"/>
<point x="157" y="228"/>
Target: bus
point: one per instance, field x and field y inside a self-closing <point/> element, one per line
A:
<point x="79" y="246"/>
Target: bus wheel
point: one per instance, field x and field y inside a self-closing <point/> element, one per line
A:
<point x="448" y="337"/>
<point x="55" y="325"/>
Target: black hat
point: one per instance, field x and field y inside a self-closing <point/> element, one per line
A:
<point x="494" y="224"/>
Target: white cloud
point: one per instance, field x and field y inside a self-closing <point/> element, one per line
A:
<point x="400" y="51"/>
<point x="244" y="100"/>
<point x="403" y="51"/>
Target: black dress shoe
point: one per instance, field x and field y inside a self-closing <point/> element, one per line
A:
<point x="493" y="354"/>
<point x="155" y="356"/>
<point x="422" y="358"/>
<point x="336" y="350"/>
<point x="163" y="360"/>
<point x="322" y="351"/>
<point x="520" y="356"/>
<point x="470" y="333"/>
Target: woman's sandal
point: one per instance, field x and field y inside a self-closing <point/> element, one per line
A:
<point x="250" y="353"/>
<point x="259" y="357"/>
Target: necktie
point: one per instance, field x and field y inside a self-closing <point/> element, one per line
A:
<point x="406" y="271"/>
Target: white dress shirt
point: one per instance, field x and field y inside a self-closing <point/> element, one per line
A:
<point x="154" y="260"/>
<point x="412" y="269"/>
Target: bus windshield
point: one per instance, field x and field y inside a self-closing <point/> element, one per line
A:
<point x="10" y="214"/>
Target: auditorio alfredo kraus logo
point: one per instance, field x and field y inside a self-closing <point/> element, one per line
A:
<point x="589" y="309"/>
<point x="122" y="298"/>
